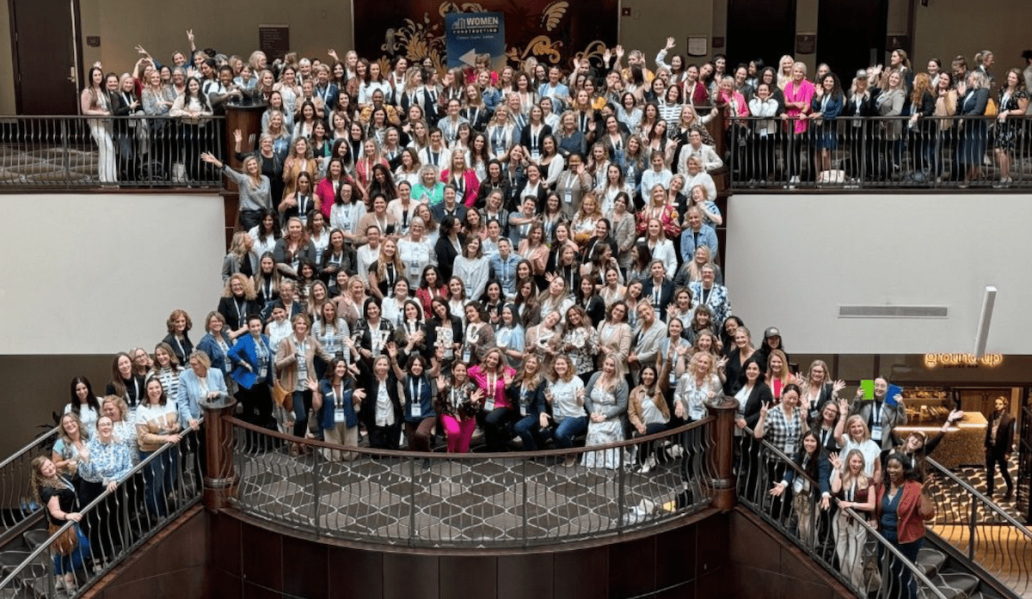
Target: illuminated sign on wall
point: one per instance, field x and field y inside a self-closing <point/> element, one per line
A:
<point x="962" y="360"/>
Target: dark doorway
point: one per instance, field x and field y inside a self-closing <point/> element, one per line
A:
<point x="47" y="64"/>
<point x="851" y="35"/>
<point x="760" y="30"/>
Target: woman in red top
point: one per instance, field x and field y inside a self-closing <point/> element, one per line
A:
<point x="491" y="377"/>
<point x="901" y="508"/>
<point x="463" y="178"/>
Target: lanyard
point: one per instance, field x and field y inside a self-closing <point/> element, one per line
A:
<point x="240" y="311"/>
<point x="416" y="390"/>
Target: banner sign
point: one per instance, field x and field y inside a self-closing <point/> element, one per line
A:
<point x="473" y="33"/>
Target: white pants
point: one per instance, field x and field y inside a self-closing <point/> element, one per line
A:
<point x="106" y="151"/>
<point x="850" y="538"/>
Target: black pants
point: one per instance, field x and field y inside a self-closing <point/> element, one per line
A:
<point x="496" y="427"/>
<point x="385" y="437"/>
<point x="646" y="449"/>
<point x="992" y="458"/>
<point x="257" y="402"/>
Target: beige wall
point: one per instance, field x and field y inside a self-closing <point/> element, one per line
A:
<point x="652" y="21"/>
<point x="103" y="272"/>
<point x="944" y="28"/>
<point x="230" y="26"/>
<point x="7" y="104"/>
<point x="794" y="259"/>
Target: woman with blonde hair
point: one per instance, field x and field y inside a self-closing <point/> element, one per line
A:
<point x="785" y="66"/>
<point x="291" y="249"/>
<point x="852" y="433"/>
<point x="70" y="446"/>
<point x="778" y="373"/>
<point x="583" y="225"/>
<point x="974" y="99"/>
<point x="799" y="94"/>
<point x="239" y="259"/>
<point x="300" y="160"/>
<point x="922" y="128"/>
<point x="889" y="103"/>
<point x="853" y="490"/>
<point x="386" y="271"/>
<point x="659" y="209"/>
<point x="57" y="494"/>
<point x="254" y="187"/>
<point x="691" y="271"/>
<point x="295" y="371"/>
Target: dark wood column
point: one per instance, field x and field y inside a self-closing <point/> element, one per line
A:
<point x="220" y="479"/>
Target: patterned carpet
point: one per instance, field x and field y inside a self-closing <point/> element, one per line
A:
<point x="976" y="477"/>
<point x="469" y="502"/>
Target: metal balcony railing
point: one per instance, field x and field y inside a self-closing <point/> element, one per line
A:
<point x="74" y="152"/>
<point x="858" y="153"/>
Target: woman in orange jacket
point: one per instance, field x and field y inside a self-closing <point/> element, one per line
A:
<point x="901" y="508"/>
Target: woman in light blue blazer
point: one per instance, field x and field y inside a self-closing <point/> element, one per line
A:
<point x="200" y="383"/>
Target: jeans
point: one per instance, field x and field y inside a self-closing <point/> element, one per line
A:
<point x="159" y="477"/>
<point x="568" y="429"/>
<point x="527" y="429"/>
<point x="302" y="404"/>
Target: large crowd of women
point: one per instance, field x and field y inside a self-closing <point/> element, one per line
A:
<point x="941" y="121"/>
<point x="530" y="253"/>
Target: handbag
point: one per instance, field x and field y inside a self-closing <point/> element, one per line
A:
<point x="282" y="397"/>
<point x="991" y="109"/>
<point x="66" y="543"/>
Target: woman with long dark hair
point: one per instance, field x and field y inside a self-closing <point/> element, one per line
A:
<point x="95" y="102"/>
<point x="84" y="403"/>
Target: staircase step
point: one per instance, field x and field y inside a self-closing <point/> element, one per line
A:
<point x="13" y="558"/>
<point x="35" y="538"/>
<point x="930" y="561"/>
<point x="16" y="594"/>
<point x="955" y="585"/>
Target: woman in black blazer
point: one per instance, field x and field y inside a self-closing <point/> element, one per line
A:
<point x="382" y="415"/>
<point x="533" y="136"/>
<point x="753" y="394"/>
<point x="371" y="333"/>
<point x="859" y="106"/>
<point x="237" y="301"/>
<point x="179" y="325"/>
<point x="450" y="232"/>
<point x="999" y="442"/>
<point x="445" y="330"/>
